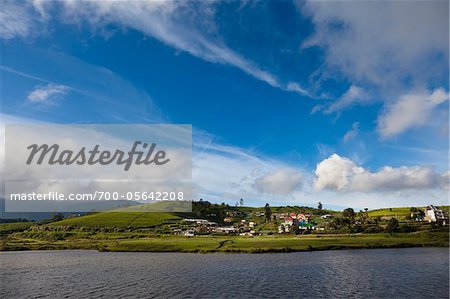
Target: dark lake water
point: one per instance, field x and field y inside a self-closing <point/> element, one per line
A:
<point x="376" y="273"/>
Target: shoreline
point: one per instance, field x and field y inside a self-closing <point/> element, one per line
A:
<point x="235" y="244"/>
<point x="221" y="252"/>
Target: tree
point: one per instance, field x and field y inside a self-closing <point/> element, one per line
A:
<point x="267" y="212"/>
<point x="349" y="213"/>
<point x="58" y="217"/>
<point x="392" y="225"/>
<point x="421" y="213"/>
<point x="241" y="202"/>
<point x="319" y="206"/>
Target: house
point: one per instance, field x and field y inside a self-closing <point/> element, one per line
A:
<point x="288" y="221"/>
<point x="283" y="229"/>
<point x="433" y="214"/>
<point x="228" y="219"/>
<point x="196" y="221"/>
<point x="307" y="226"/>
<point x="327" y="216"/>
<point x="251" y="224"/>
<point x="285" y="226"/>
<point x="226" y="230"/>
<point x="278" y="216"/>
<point x="304" y="217"/>
<point x="189" y="233"/>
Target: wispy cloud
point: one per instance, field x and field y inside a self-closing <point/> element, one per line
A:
<point x="15" y="20"/>
<point x="175" y="23"/>
<point x="47" y="94"/>
<point x="22" y="74"/>
<point x="355" y="95"/>
<point x="389" y="48"/>
<point x="352" y="133"/>
<point x="83" y="83"/>
<point x="372" y="42"/>
<point x="410" y="110"/>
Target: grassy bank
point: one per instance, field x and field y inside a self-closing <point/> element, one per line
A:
<point x="208" y="244"/>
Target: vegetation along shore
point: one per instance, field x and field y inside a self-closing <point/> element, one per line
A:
<point x="235" y="229"/>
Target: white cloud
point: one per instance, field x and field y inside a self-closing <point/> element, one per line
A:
<point x="352" y="133"/>
<point x="283" y="181"/>
<point x="388" y="47"/>
<point x="15" y="20"/>
<point x="176" y="24"/>
<point x="47" y="93"/>
<point x="226" y="172"/>
<point x="182" y="25"/>
<point x="353" y="96"/>
<point x="410" y="110"/>
<point x="382" y="43"/>
<point x="342" y="174"/>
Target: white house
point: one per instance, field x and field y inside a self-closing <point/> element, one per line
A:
<point x="189" y="233"/>
<point x="433" y="214"/>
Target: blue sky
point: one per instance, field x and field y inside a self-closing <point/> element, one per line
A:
<point x="291" y="102"/>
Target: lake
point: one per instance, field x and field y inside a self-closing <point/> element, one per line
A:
<point x="373" y="273"/>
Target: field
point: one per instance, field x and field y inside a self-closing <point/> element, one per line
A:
<point x="395" y="212"/>
<point x="208" y="244"/>
<point x="119" y="220"/>
<point x="7" y="228"/>
<point x="134" y="230"/>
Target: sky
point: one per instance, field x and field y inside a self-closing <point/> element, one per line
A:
<point x="291" y="102"/>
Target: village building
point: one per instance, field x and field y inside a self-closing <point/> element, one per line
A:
<point x="433" y="214"/>
<point x="189" y="233"/>
<point x="226" y="230"/>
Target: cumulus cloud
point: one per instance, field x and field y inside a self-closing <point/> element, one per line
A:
<point x="342" y="174"/>
<point x="47" y="93"/>
<point x="283" y="181"/>
<point x="410" y="110"/>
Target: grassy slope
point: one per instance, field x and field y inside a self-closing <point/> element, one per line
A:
<point x="119" y="220"/>
<point x="210" y="244"/>
<point x="151" y="219"/>
<point x="7" y="228"/>
<point x="396" y="212"/>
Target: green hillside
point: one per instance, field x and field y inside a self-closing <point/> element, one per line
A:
<point x="396" y="212"/>
<point x="133" y="217"/>
<point x="119" y="220"/>
<point x="6" y="228"/>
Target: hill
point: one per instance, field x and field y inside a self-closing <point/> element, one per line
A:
<point x="137" y="217"/>
<point x="119" y="220"/>
<point x="397" y="212"/>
